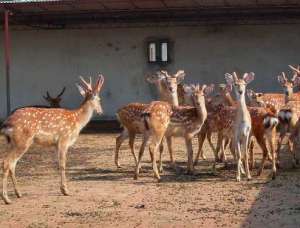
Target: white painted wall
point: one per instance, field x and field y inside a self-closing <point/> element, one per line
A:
<point x="50" y="59"/>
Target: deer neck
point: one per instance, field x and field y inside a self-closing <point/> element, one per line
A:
<point x="84" y="113"/>
<point x="288" y="97"/>
<point x="201" y="112"/>
<point x="242" y="107"/>
<point x="165" y="95"/>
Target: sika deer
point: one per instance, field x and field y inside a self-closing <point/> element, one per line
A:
<point x="54" y="102"/>
<point x="242" y="123"/>
<point x="130" y="115"/>
<point x="289" y="114"/>
<point x="57" y="127"/>
<point x="161" y="119"/>
<point x="222" y="98"/>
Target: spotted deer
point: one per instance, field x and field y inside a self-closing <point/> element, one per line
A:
<point x="130" y="115"/>
<point x="161" y="119"/>
<point x="289" y="114"/>
<point x="48" y="127"/>
<point x="223" y="97"/>
<point x="54" y="102"/>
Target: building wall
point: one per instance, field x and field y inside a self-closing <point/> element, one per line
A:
<point x="50" y="59"/>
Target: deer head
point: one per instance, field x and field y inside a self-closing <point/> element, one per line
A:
<point x="54" y="102"/>
<point x="170" y="82"/>
<point x="167" y="84"/>
<point x="224" y="89"/>
<point x="239" y="84"/>
<point x="256" y="99"/>
<point x="198" y="93"/>
<point x="91" y="93"/>
<point x="288" y="85"/>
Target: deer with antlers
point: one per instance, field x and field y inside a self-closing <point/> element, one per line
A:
<point x="161" y="119"/>
<point x="57" y="127"/>
<point x="54" y="102"/>
<point x="130" y="115"/>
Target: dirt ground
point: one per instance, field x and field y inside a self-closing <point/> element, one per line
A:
<point x="104" y="196"/>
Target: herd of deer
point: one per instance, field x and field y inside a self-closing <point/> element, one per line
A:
<point x="183" y="110"/>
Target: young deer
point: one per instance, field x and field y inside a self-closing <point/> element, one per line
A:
<point x="242" y="123"/>
<point x="130" y="115"/>
<point x="222" y="98"/>
<point x="162" y="119"/>
<point x="54" y="102"/>
<point x="57" y="127"/>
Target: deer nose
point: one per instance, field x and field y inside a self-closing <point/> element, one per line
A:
<point x="240" y="92"/>
<point x="286" y="93"/>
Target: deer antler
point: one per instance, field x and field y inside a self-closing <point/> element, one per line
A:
<point x="87" y="86"/>
<point x="235" y="77"/>
<point x="295" y="69"/>
<point x="99" y="83"/>
<point x="284" y="76"/>
<point x="62" y="92"/>
<point x="165" y="73"/>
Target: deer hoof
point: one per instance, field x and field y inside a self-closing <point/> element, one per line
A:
<point x="190" y="172"/>
<point x="65" y="191"/>
<point x="6" y="200"/>
<point x="203" y="157"/>
<point x="19" y="195"/>
<point x="118" y="164"/>
<point x="161" y="170"/>
<point x="273" y="176"/>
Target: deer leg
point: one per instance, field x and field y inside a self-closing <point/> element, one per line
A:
<point x="245" y="148"/>
<point x="161" y="150"/>
<point x="131" y="145"/>
<point x="156" y="141"/>
<point x="239" y="161"/>
<point x="119" y="140"/>
<point x="201" y="137"/>
<point x="271" y="139"/>
<point x="4" y="181"/>
<point x="251" y="153"/>
<point x="9" y="166"/>
<point x="170" y="148"/>
<point x="262" y="143"/>
<point x="62" y="157"/>
<point x="293" y="153"/>
<point x="189" y="147"/>
<point x="222" y="146"/>
<point x="141" y="152"/>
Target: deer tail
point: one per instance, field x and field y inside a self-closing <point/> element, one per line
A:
<point x="270" y="121"/>
<point x="6" y="131"/>
<point x="145" y="116"/>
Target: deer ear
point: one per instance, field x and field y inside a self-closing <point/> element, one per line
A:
<point x="180" y="76"/>
<point x="296" y="81"/>
<point x="209" y="89"/>
<point x="248" y="77"/>
<point x="228" y="88"/>
<point x="81" y="90"/>
<point x="229" y="78"/>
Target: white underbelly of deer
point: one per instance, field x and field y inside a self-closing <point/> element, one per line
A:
<point x="181" y="129"/>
